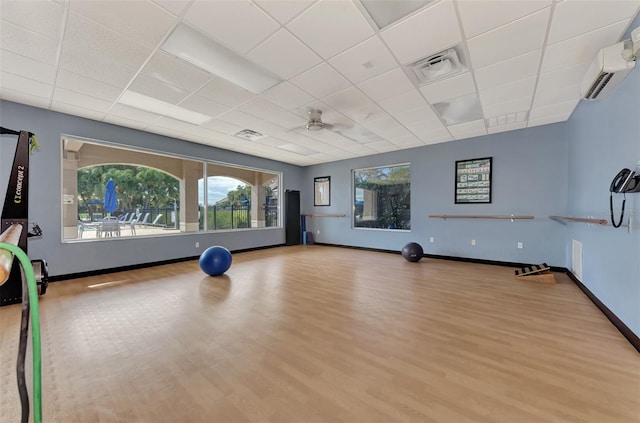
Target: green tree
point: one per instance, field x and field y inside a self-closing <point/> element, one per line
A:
<point x="236" y="197"/>
<point x="135" y="186"/>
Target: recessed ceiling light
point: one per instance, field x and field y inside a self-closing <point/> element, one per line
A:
<point x="191" y="46"/>
<point x="153" y="105"/>
<point x="460" y="109"/>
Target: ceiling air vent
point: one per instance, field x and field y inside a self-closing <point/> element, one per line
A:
<point x="250" y="135"/>
<point x="437" y="67"/>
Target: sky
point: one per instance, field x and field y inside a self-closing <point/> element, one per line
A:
<point x="218" y="187"/>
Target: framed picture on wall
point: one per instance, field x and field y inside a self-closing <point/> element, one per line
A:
<point x="473" y="181"/>
<point x="322" y="191"/>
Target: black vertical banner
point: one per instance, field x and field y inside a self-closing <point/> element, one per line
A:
<point x="16" y="210"/>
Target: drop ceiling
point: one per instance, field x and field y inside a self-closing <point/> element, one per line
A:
<point x="521" y="66"/>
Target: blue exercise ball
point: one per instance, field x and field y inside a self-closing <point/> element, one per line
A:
<point x="216" y="260"/>
<point x="412" y="252"/>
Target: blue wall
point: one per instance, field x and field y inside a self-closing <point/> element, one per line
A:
<point x="604" y="137"/>
<point x="45" y="198"/>
<point x="529" y="178"/>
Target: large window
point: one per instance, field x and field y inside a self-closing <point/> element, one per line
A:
<point x="382" y="197"/>
<point x="112" y="191"/>
<point x="238" y="198"/>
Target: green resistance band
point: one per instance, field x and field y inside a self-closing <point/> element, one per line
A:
<point x="34" y="142"/>
<point x="35" y="327"/>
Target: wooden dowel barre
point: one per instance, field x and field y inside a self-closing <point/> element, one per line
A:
<point x="10" y="236"/>
<point x="580" y="219"/>
<point x="477" y="216"/>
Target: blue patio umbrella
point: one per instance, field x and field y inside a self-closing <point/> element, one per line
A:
<point x="110" y="199"/>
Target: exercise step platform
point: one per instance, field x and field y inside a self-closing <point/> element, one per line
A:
<point x="536" y="273"/>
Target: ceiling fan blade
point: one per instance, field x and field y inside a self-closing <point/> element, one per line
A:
<point x="357" y="133"/>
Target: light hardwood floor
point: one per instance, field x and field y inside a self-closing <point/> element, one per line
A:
<point x="316" y="333"/>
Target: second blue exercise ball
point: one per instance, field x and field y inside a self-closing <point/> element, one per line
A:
<point x="216" y="260"/>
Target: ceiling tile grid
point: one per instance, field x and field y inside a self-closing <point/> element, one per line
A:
<point x="521" y="58"/>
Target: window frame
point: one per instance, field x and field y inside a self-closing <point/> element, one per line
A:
<point x="145" y="150"/>
<point x="353" y="197"/>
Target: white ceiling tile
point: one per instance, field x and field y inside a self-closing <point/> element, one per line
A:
<point x="171" y="70"/>
<point x="387" y="85"/>
<point x="582" y="48"/>
<point x="21" y="41"/>
<point x="329" y="27"/>
<point x="299" y="149"/>
<point x="506" y="92"/>
<point x="505" y="128"/>
<point x="449" y="88"/>
<point x="287" y="96"/>
<point x="404" y="102"/>
<point x="575" y="17"/>
<point x="225" y="92"/>
<point x="508" y="41"/>
<point x="548" y="120"/>
<point x="238" y="118"/>
<point x="284" y="55"/>
<point x="407" y="141"/>
<point x="88" y="86"/>
<point x="152" y="87"/>
<point x="513" y="106"/>
<point x="422" y="114"/>
<point x="425" y="125"/>
<point x="551" y="94"/>
<point x="207" y="107"/>
<point x="24" y="85"/>
<point x="222" y="126"/>
<point x="354" y="104"/>
<point x="468" y="129"/>
<point x="509" y="70"/>
<point x="284" y="10"/>
<point x="179" y="125"/>
<point x="219" y="19"/>
<point x="28" y="68"/>
<point x="24" y="98"/>
<point x="559" y="86"/>
<point x="174" y="6"/>
<point x="436" y="136"/>
<point x="270" y="129"/>
<point x="142" y="21"/>
<point x="553" y="110"/>
<point x="366" y="60"/>
<point x="381" y="146"/>
<point x="481" y="16"/>
<point x="80" y="100"/>
<point x="321" y="81"/>
<point x="42" y="17"/>
<point x="428" y="32"/>
<point x="76" y="111"/>
<point x="262" y="109"/>
<point x="387" y="128"/>
<point x="127" y="112"/>
<point x="127" y="123"/>
<point x="94" y="51"/>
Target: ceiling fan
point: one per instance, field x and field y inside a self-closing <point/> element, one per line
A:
<point x="353" y="132"/>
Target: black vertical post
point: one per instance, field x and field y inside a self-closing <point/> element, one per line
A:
<point x="292" y="217"/>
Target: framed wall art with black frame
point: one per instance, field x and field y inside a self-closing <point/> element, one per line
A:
<point x="473" y="181"/>
<point x="322" y="191"/>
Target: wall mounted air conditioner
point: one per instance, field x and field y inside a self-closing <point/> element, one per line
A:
<point x="608" y="69"/>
